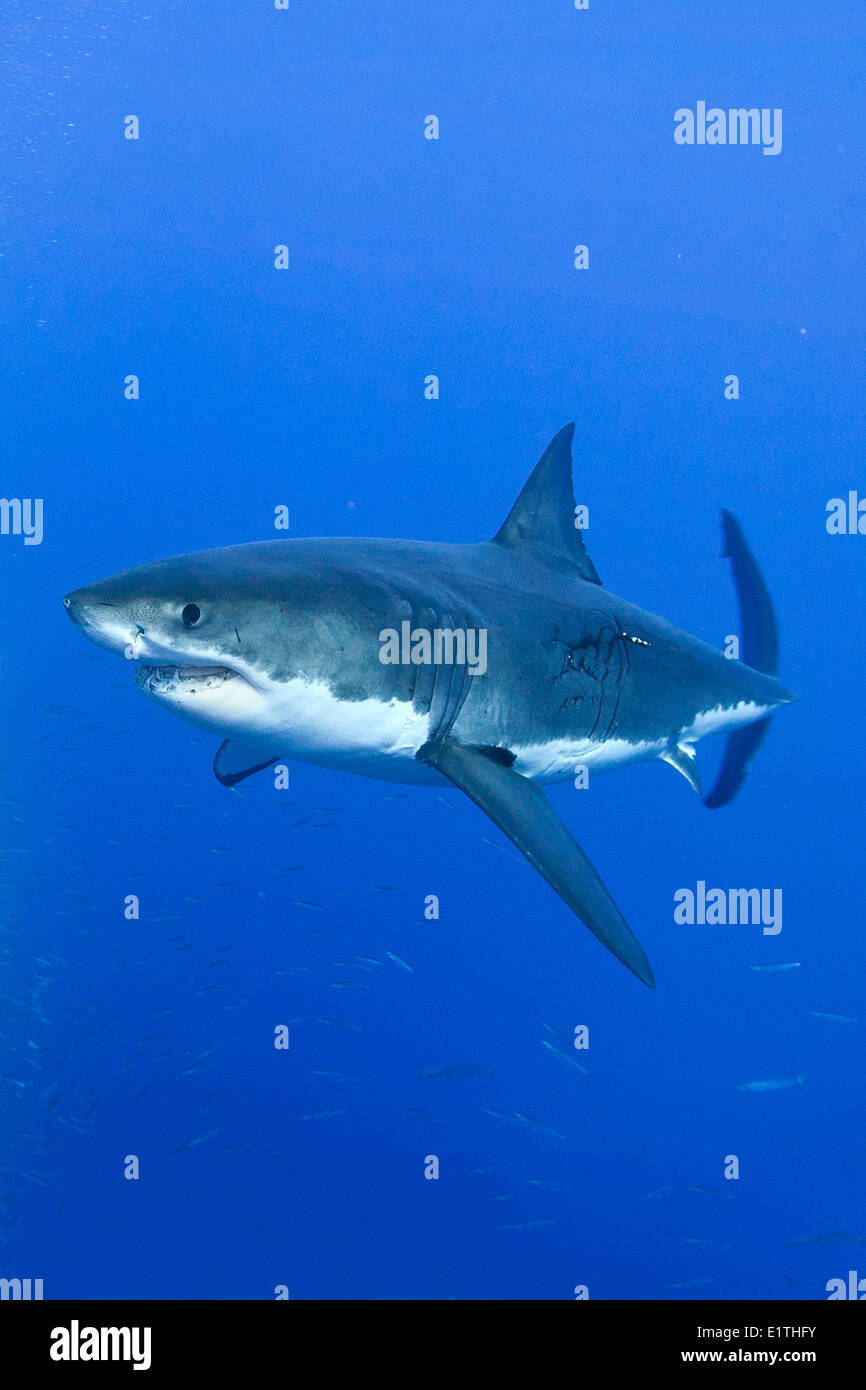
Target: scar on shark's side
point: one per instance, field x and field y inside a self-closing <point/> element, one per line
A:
<point x="351" y="654"/>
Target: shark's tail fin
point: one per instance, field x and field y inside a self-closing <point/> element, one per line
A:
<point x="759" y="649"/>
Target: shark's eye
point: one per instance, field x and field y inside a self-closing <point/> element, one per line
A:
<point x="190" y="615"/>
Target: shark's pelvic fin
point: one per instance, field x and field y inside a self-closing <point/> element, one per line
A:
<point x="759" y="649"/>
<point x="234" y="761"/>
<point x="523" y="813"/>
<point x="544" y="512"/>
<point x="682" y="756"/>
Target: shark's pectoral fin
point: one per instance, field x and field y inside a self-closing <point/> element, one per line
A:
<point x="523" y="813"/>
<point x="234" y="761"/>
<point x="759" y="649"/>
<point x="682" y="756"/>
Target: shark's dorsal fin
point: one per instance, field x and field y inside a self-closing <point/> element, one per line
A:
<point x="544" y="512"/>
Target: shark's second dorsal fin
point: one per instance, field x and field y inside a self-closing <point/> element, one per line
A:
<point x="544" y="512"/>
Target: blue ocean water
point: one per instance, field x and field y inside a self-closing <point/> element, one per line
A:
<point x="412" y="257"/>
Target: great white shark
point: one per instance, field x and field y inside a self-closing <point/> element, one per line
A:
<point x="348" y="653"/>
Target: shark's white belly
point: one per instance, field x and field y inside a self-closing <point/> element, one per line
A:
<point x="376" y="738"/>
<point x="559" y="759"/>
<point x="305" y="721"/>
<point x="723" y="719"/>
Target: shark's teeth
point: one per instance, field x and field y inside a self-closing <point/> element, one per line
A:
<point x="164" y="679"/>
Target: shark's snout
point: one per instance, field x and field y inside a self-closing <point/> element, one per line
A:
<point x="104" y="623"/>
<point x="157" y="632"/>
<point x="83" y="607"/>
<point x="72" y="605"/>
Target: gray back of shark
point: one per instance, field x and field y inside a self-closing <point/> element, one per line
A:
<point x="496" y="667"/>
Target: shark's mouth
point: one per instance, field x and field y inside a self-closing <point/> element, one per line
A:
<point x="186" y="680"/>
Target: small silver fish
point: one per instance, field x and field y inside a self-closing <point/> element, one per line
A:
<point x="563" y="1056"/>
<point x="772" y="1085"/>
<point x="525" y="1122"/>
<point x="828" y="1238"/>
<point x="398" y="960"/>
<point x="200" y="1139"/>
<point x="558" y="1033"/>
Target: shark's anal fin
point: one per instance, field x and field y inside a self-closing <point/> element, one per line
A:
<point x="682" y="756"/>
<point x="759" y="649"/>
<point x="234" y="761"/>
<point x="523" y="813"/>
